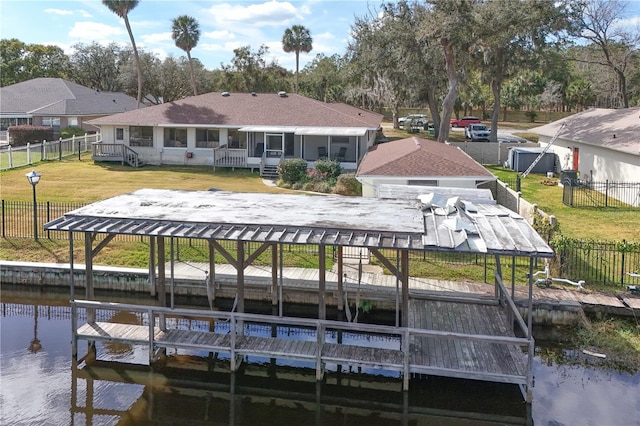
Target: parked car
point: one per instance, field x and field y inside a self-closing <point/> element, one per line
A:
<point x="464" y="121"/>
<point x="477" y="132"/>
<point x="417" y="120"/>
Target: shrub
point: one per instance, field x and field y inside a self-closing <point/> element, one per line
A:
<point x="347" y="184"/>
<point x="293" y="170"/>
<point x="330" y="168"/>
<point x="24" y="134"/>
<point x="531" y="115"/>
<point x="324" y="186"/>
<point x="71" y="131"/>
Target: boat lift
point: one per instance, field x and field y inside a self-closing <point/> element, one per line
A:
<point x="548" y="279"/>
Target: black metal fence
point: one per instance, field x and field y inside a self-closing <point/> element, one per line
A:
<point x="582" y="193"/>
<point x="603" y="262"/>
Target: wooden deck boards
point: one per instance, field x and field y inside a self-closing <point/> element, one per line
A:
<point x="472" y="358"/>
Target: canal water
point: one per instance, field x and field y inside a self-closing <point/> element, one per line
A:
<point x="39" y="385"/>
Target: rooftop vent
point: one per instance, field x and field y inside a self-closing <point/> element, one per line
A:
<point x="225" y="93"/>
<point x="282" y="94"/>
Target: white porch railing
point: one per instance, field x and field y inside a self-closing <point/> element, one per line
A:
<point x="229" y="157"/>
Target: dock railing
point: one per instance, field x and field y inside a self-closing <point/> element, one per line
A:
<point x="326" y="346"/>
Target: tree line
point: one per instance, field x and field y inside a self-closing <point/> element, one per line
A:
<point x="448" y="56"/>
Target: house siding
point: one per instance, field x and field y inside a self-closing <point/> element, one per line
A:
<point x="596" y="163"/>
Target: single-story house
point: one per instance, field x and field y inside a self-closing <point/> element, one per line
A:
<point x="416" y="161"/>
<point x="245" y="130"/>
<point x="58" y="103"/>
<point x="601" y="144"/>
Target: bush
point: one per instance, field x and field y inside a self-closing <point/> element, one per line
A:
<point x="329" y="168"/>
<point x="531" y="115"/>
<point x="24" y="134"/>
<point x="347" y="184"/>
<point x="293" y="170"/>
<point x="71" y="131"/>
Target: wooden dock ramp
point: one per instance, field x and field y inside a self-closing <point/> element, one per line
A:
<point x="478" y="346"/>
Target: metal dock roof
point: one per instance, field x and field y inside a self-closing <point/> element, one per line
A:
<point x="310" y="219"/>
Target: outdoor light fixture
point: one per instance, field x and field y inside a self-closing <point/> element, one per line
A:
<point x="34" y="178"/>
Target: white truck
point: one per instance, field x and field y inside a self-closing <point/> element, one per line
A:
<point x="477" y="132"/>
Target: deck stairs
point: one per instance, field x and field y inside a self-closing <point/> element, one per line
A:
<point x="269" y="172"/>
<point x="116" y="153"/>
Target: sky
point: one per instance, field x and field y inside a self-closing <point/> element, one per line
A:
<point x="224" y="25"/>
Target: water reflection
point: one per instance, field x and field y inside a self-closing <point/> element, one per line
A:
<point x="191" y="390"/>
<point x="43" y="387"/>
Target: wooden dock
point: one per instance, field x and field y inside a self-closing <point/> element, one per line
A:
<point x="443" y="338"/>
<point x="469" y="357"/>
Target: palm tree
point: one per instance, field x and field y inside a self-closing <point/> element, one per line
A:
<point x="122" y="9"/>
<point x="297" y="39"/>
<point x="185" y="31"/>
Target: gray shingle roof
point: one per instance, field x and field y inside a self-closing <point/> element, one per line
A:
<point x="248" y="109"/>
<point x="616" y="129"/>
<point x="59" y="97"/>
<point x="419" y="157"/>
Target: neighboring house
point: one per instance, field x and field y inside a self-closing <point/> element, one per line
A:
<point x="602" y="144"/>
<point x="415" y="161"/>
<point x="250" y="130"/>
<point x="58" y="103"/>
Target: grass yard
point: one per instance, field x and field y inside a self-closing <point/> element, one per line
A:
<point x="582" y="223"/>
<point x="73" y="181"/>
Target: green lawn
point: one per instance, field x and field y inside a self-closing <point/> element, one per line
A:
<point x="581" y="223"/>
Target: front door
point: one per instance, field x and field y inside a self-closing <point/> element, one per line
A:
<point x="576" y="157"/>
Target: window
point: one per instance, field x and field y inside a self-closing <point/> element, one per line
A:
<point x="207" y="138"/>
<point x="5" y="123"/>
<point x="237" y="139"/>
<point x="140" y="136"/>
<point x="175" y="138"/>
<point x="119" y="134"/>
<point x="72" y="121"/>
<point x="52" y="122"/>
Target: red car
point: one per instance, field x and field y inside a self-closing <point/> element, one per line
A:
<point x="464" y="121"/>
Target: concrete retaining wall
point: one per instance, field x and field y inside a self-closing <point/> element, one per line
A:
<point x="131" y="280"/>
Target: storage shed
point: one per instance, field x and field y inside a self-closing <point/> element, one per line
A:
<point x="521" y="158"/>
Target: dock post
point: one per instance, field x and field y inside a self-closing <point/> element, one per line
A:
<point x="404" y="260"/>
<point x="72" y="284"/>
<point x="322" y="285"/>
<point x="162" y="292"/>
<point x="152" y="266"/>
<point x="274" y="275"/>
<point x="340" y="280"/>
<point x="212" y="271"/>
<point x="240" y="272"/>
<point x="89" y="292"/>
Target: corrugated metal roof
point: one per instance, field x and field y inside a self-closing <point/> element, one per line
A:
<point x="306" y="219"/>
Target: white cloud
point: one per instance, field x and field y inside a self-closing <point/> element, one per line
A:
<point x="631" y="22"/>
<point x="58" y="12"/>
<point x="219" y="35"/>
<point x="62" y="12"/>
<point x="157" y="38"/>
<point x="268" y="14"/>
<point x="93" y="31"/>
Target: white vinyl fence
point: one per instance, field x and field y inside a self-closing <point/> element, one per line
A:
<point x="12" y="157"/>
